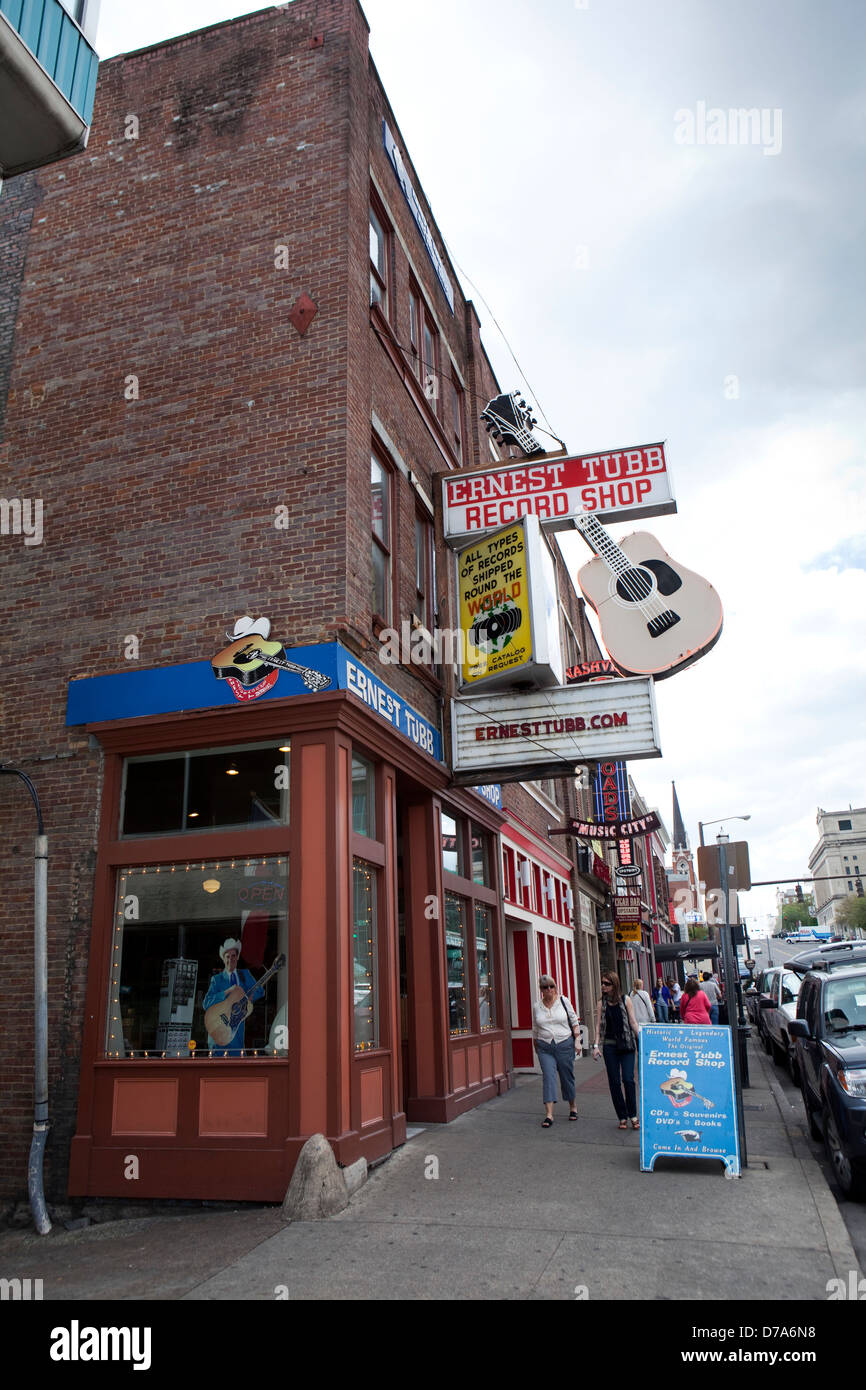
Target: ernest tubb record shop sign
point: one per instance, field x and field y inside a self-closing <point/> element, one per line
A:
<point x="619" y="484"/>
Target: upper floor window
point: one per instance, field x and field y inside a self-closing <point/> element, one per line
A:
<point x="455" y="416"/>
<point x="424" y="571"/>
<point x="424" y="343"/>
<point x="379" y="259"/>
<point x="453" y="847"/>
<point x="235" y="787"/>
<point x="380" y="502"/>
<point x="844" y="825"/>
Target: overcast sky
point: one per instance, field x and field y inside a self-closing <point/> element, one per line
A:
<point x="654" y="285"/>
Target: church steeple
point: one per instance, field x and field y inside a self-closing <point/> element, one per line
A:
<point x="681" y="839"/>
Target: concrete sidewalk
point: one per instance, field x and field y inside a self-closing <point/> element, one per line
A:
<point x="516" y="1212"/>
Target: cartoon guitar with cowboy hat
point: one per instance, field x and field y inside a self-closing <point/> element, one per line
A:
<point x="251" y="664"/>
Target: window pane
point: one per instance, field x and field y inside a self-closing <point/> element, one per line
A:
<point x="167" y="972"/>
<point x="363" y="797"/>
<point x="235" y="787"/>
<point x="484" y="955"/>
<point x="456" y="954"/>
<point x="379" y="492"/>
<point x="379" y="595"/>
<point x="377" y="244"/>
<point x="480" y="870"/>
<point x="365" y="957"/>
<point x="422" y="532"/>
<point x="453" y="860"/>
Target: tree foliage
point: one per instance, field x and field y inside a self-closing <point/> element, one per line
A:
<point x="852" y="912"/>
<point x="793" y="915"/>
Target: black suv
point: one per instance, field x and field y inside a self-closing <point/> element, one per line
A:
<point x="830" y="1036"/>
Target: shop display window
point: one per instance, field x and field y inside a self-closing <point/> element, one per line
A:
<point x="484" y="957"/>
<point x="456" y="949"/>
<point x="365" y="956"/>
<point x="198" y="961"/>
<point x="226" y="788"/>
<point x="363" y="797"/>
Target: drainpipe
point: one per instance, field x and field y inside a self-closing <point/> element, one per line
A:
<point x="35" y="1189"/>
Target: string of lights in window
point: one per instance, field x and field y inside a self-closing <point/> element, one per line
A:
<point x="128" y="911"/>
<point x="364" y="924"/>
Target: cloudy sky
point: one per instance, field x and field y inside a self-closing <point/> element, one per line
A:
<point x="657" y="279"/>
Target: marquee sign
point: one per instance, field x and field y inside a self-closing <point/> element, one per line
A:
<point x="518" y="736"/>
<point x="620" y="485"/>
<point x="612" y="796"/>
<point x="616" y="830"/>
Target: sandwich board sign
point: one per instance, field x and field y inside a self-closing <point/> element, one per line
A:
<point x="687" y="1102"/>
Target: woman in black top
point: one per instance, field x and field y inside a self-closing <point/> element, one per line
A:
<point x="616" y="1030"/>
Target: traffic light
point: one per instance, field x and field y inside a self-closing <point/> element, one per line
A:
<point x="799" y="893"/>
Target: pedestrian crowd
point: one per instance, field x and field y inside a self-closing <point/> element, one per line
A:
<point x="619" y="1018"/>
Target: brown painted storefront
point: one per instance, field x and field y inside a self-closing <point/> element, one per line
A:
<point x="212" y="1126"/>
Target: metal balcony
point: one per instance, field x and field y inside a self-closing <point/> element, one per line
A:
<point x="47" y="84"/>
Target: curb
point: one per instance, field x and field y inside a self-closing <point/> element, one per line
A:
<point x="833" y="1225"/>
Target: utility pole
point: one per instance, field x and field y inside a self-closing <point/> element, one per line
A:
<point x="728" y="957"/>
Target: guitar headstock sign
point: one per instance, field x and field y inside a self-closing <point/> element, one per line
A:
<point x="251" y="664"/>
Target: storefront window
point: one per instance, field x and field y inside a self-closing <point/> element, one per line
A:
<point x="365" y="963"/>
<point x="199" y="960"/>
<point x="484" y="956"/>
<point x="363" y="797"/>
<point x="453" y="858"/>
<point x="480" y="863"/>
<point x="228" y="788"/>
<point x="456" y="949"/>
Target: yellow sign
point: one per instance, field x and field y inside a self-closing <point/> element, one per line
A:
<point x="494" y="604"/>
<point x="626" y="932"/>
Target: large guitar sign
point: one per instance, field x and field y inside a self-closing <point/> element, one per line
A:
<point x="656" y="616"/>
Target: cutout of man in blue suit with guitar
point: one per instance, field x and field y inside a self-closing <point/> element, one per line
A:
<point x="229" y="987"/>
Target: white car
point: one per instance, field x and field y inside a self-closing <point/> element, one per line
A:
<point x="777" y="1005"/>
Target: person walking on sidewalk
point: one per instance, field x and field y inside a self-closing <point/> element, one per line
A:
<point x="676" y="999"/>
<point x="616" y="1030"/>
<point x="694" y="1005"/>
<point x="663" y="1001"/>
<point x="641" y="1004"/>
<point x="555" y="1035"/>
<point x="710" y="987"/>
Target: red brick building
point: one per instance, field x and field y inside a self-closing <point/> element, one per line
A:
<point x="233" y="355"/>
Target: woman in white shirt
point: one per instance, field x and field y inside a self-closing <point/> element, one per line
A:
<point x="555" y="1035"/>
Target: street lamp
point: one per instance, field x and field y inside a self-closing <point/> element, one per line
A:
<point x="720" y="821"/>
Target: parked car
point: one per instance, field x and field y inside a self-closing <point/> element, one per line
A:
<point x="752" y="999"/>
<point x="834" y="955"/>
<point x="777" y="1003"/>
<point x="830" y="1037"/>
